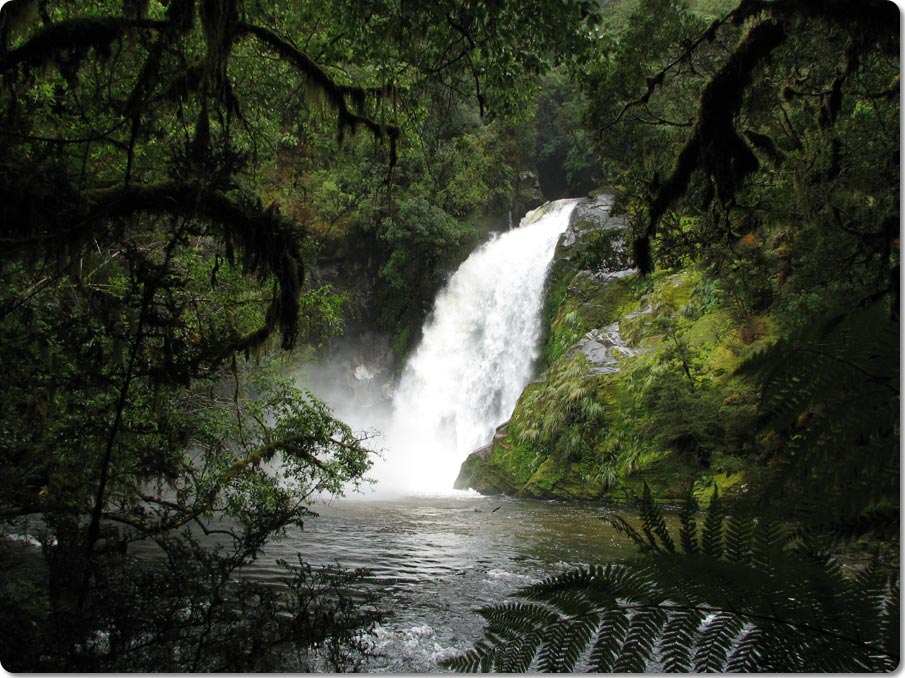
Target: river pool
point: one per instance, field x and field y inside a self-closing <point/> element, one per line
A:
<point x="434" y="560"/>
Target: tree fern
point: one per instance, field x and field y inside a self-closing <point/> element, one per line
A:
<point x="740" y="595"/>
<point x="565" y="643"/>
<point x="677" y="640"/>
<point x="739" y="531"/>
<point x="607" y="648"/>
<point x="688" y="529"/>
<point x="712" y="533"/>
<point x="655" y="524"/>
<point x="644" y="629"/>
<point x="745" y="655"/>
<point x="715" y="642"/>
<point x="767" y="541"/>
<point x="830" y="393"/>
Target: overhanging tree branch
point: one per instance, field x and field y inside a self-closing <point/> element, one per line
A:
<point x="269" y="243"/>
<point x="335" y="93"/>
<point x="715" y="146"/>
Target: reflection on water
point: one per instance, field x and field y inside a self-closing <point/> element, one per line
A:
<point x="435" y="560"/>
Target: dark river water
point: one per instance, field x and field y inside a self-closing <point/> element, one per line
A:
<point x="434" y="560"/>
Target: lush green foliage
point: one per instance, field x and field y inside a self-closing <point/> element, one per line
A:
<point x="423" y="240"/>
<point x="169" y="171"/>
<point x="758" y="146"/>
<point x="465" y="102"/>
<point x="569" y="412"/>
<point x="718" y="155"/>
<point x="732" y="595"/>
<point x="830" y="418"/>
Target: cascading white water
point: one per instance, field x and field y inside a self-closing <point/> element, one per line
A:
<point x="475" y="358"/>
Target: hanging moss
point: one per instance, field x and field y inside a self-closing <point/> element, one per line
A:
<point x="334" y="93"/>
<point x="268" y="244"/>
<point x="715" y="148"/>
<point x="73" y="39"/>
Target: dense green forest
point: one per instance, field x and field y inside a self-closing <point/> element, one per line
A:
<point x="196" y="196"/>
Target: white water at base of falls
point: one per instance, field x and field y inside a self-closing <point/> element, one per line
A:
<point x="477" y="354"/>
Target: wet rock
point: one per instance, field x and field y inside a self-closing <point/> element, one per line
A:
<point x="528" y="195"/>
<point x="602" y="349"/>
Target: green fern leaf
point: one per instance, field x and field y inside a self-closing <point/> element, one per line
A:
<point x="712" y="533"/>
<point x="738" y="539"/>
<point x="655" y="524"/>
<point x="745" y="656"/>
<point x="517" y="655"/>
<point x="716" y="642"/>
<point x="574" y="593"/>
<point x="678" y="640"/>
<point x="565" y="642"/>
<point x="614" y="624"/>
<point x="890" y="629"/>
<point x="570" y="580"/>
<point x="510" y="619"/>
<point x="622" y="527"/>
<point x="775" y="605"/>
<point x="768" y="539"/>
<point x="643" y="633"/>
<point x="774" y="651"/>
<point x="688" y="530"/>
<point x="471" y="661"/>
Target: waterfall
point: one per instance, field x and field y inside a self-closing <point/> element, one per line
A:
<point x="476" y="356"/>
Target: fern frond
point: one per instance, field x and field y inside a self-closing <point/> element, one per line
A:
<point x="576" y="592"/>
<point x="471" y="661"/>
<point x="577" y="578"/>
<point x="688" y="528"/>
<point x="768" y="539"/>
<point x="881" y="521"/>
<point x="614" y="626"/>
<point x="517" y="655"/>
<point x="890" y="632"/>
<point x="678" y="640"/>
<point x="716" y="642"/>
<point x="748" y="599"/>
<point x="565" y="642"/>
<point x="776" y="649"/>
<point x="644" y="630"/>
<point x="712" y="533"/>
<point x="622" y="527"/>
<point x="654" y="524"/>
<point x="738" y="539"/>
<point x="511" y="619"/>
<point x="809" y="382"/>
<point x="745" y="656"/>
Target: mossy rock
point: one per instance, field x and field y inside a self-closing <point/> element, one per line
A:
<point x="668" y="476"/>
<point x="483" y="476"/>
<point x="729" y="486"/>
<point x="554" y="480"/>
<point x="591" y="302"/>
<point x="591" y="432"/>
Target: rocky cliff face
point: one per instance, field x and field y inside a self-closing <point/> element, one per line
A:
<point x="617" y="346"/>
<point x="591" y="253"/>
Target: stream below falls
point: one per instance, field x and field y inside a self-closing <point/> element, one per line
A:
<point x="435" y="560"/>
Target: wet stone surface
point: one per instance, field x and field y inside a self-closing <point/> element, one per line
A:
<point x="602" y="349"/>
